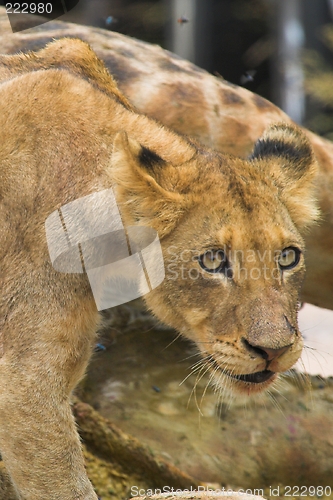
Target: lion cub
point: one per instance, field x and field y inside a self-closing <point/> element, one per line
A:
<point x="229" y="231"/>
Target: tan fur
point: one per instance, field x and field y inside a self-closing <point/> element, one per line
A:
<point x="68" y="132"/>
<point x="184" y="97"/>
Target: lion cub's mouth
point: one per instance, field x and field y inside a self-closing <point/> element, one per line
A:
<point x="253" y="378"/>
<point x="251" y="383"/>
<point x="248" y="378"/>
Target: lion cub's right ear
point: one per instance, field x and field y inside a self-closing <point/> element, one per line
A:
<point x="142" y="181"/>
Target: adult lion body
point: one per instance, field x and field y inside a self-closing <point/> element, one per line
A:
<point x="240" y="222"/>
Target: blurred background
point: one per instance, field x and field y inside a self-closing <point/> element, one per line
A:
<point x="280" y="49"/>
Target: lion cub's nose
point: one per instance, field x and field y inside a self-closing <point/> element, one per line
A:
<point x="266" y="353"/>
<point x="270" y="354"/>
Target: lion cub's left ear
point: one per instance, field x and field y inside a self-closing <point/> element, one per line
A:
<point x="143" y="185"/>
<point x="290" y="161"/>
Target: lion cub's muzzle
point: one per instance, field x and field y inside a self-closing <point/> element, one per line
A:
<point x="269" y="355"/>
<point x="265" y="350"/>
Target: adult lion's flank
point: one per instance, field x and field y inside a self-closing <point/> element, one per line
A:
<point x="230" y="231"/>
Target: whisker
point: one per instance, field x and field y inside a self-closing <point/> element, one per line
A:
<point x="191" y="356"/>
<point x="172" y="342"/>
<point x="196" y="367"/>
<point x="313" y="351"/>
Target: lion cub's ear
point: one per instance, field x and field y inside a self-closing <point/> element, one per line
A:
<point x="290" y="161"/>
<point x="140" y="179"/>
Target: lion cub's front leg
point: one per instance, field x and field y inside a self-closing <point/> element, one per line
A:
<point x="46" y="350"/>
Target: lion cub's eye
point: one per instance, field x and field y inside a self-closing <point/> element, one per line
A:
<point x="289" y="258"/>
<point x="214" y="261"/>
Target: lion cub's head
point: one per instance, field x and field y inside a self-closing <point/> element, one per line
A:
<point x="231" y="235"/>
